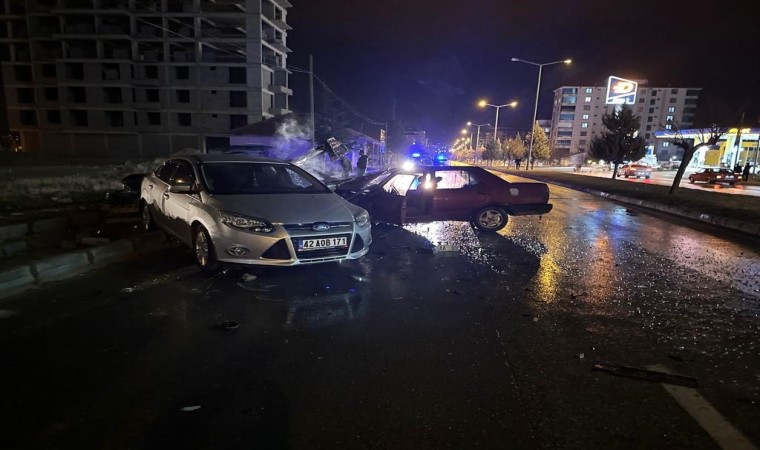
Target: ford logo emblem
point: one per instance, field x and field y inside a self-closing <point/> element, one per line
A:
<point x="321" y="226"/>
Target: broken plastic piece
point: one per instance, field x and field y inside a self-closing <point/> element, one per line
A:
<point x="191" y="408"/>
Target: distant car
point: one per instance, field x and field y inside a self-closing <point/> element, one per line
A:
<point x="635" y="170"/>
<point x="715" y="176"/>
<point x="245" y="210"/>
<point x="461" y="193"/>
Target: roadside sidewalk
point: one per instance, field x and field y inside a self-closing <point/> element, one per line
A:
<point x="37" y="250"/>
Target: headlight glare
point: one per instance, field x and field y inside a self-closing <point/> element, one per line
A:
<point x="241" y="222"/>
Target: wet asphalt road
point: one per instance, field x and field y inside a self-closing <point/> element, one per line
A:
<point x="490" y="346"/>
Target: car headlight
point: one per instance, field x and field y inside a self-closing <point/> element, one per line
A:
<point x="362" y="218"/>
<point x="241" y="222"/>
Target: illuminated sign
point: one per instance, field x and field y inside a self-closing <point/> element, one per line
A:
<point x="621" y="91"/>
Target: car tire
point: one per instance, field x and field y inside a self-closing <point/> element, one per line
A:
<point x="203" y="250"/>
<point x="147" y="218"/>
<point x="490" y="218"/>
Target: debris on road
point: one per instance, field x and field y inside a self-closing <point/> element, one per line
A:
<point x="190" y="408"/>
<point x="228" y="325"/>
<point x="247" y="277"/>
<point x="646" y="375"/>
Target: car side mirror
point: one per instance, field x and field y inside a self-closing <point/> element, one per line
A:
<point x="181" y="188"/>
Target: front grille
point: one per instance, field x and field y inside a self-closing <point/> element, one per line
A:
<point x="322" y="253"/>
<point x="334" y="226"/>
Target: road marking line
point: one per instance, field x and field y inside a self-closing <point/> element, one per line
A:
<point x="722" y="432"/>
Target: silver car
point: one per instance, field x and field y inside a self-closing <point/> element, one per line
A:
<point x="244" y="210"/>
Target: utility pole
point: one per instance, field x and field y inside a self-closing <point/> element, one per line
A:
<point x="311" y="100"/>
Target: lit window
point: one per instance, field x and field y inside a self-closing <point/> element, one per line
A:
<point x="668" y="127"/>
<point x="584" y="125"/>
<point x="587" y="99"/>
<point x="671" y="109"/>
<point x="666" y="144"/>
<point x="585" y="117"/>
<point x="589" y="90"/>
<point x="669" y="118"/>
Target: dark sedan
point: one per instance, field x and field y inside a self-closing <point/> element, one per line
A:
<point x="462" y="193"/>
<point x="714" y="176"/>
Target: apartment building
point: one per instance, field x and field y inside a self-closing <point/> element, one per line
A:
<point x="577" y="117"/>
<point x="140" y="77"/>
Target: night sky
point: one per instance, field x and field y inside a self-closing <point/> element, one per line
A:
<point x="436" y="58"/>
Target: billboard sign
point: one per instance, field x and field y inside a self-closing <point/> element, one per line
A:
<point x="621" y="91"/>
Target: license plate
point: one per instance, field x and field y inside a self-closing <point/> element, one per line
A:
<point x="322" y="243"/>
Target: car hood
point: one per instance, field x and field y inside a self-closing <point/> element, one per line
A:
<point x="287" y="208"/>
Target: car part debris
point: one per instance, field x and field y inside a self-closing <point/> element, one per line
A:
<point x="190" y="408"/>
<point x="247" y="277"/>
<point x="229" y="325"/>
<point x="646" y="375"/>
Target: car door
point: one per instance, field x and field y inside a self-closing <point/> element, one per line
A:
<point x="458" y="194"/>
<point x="176" y="206"/>
<point x="389" y="201"/>
<point x="155" y="188"/>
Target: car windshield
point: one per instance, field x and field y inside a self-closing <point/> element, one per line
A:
<point x="235" y="178"/>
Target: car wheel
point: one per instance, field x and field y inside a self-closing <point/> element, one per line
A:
<point x="203" y="248"/>
<point x="491" y="219"/>
<point x="147" y="218"/>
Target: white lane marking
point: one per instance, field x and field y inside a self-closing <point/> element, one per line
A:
<point x="722" y="432"/>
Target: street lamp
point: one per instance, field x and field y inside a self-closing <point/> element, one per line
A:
<point x="483" y="104"/>
<point x="477" y="140"/>
<point x="538" y="88"/>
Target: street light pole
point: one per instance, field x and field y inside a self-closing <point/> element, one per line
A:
<point x="535" y="107"/>
<point x="483" y="104"/>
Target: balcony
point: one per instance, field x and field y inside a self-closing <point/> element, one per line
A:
<point x="279" y="89"/>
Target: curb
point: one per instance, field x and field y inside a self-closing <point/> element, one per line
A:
<point x="67" y="265"/>
<point x="723" y="222"/>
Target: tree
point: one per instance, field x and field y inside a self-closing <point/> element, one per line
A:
<point x="620" y="142"/>
<point x="516" y="148"/>
<point x="492" y="151"/>
<point x="709" y="136"/>
<point x="541" y="148"/>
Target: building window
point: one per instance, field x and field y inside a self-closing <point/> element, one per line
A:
<point x="672" y="100"/>
<point x="182" y="72"/>
<point x="75" y="71"/>
<point x="23" y="73"/>
<point x="183" y="96"/>
<point x="237" y="75"/>
<point x="652" y="102"/>
<point x="584" y="117"/>
<point x="584" y="133"/>
<point x="654" y="92"/>
<point x="641" y="100"/>
<point x="238" y="120"/>
<point x="152" y="95"/>
<point x="28" y="117"/>
<point x="568" y="99"/>
<point x="649" y="119"/>
<point x="238" y="99"/>
<point x="48" y="70"/>
<point x="25" y="95"/>
<point x="671" y="109"/>
<point x="649" y="127"/>
<point x="77" y="94"/>
<point x="51" y="94"/>
<point x="111" y="72"/>
<point x="646" y="136"/>
<point x="584" y="125"/>
<point x="79" y="118"/>
<point x="669" y="118"/>
<point x="154" y="118"/>
<point x="112" y="95"/>
<point x="569" y="90"/>
<point x="589" y="90"/>
<point x="587" y="107"/>
<point x="184" y="119"/>
<point x="151" y="72"/>
<point x="674" y="91"/>
<point x="115" y="118"/>
<point x="567" y="116"/>
<point x="651" y="110"/>
<point x="582" y="142"/>
<point x="53" y="116"/>
<point x="666" y="144"/>
<point x="587" y="99"/>
<point x="668" y="127"/>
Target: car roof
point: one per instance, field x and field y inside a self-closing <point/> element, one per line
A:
<point x="226" y="157"/>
